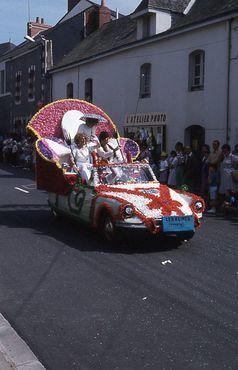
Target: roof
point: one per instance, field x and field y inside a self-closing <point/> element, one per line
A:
<point x="122" y="32"/>
<point x="113" y="12"/>
<point x="18" y="50"/>
<point x="6" y="46"/>
<point x="27" y="46"/>
<point x="204" y="10"/>
<point x="111" y="36"/>
<point x="76" y="35"/>
<point x="172" y="5"/>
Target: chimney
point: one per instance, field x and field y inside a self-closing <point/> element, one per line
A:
<point x="104" y="14"/>
<point x="33" y="28"/>
<point x="71" y="4"/>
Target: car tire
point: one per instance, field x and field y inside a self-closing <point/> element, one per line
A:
<point x="56" y="215"/>
<point x="107" y="228"/>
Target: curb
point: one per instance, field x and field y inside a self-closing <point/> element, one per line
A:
<point x="14" y="352"/>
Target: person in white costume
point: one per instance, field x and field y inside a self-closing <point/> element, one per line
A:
<point x="89" y="128"/>
<point x="107" y="149"/>
<point x="75" y="122"/>
<point x="81" y="156"/>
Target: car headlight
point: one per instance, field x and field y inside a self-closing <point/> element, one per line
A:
<point x="199" y="206"/>
<point x="128" y="211"/>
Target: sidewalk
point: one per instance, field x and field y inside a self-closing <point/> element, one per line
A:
<point x="14" y="352"/>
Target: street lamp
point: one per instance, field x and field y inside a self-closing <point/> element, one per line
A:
<point x="29" y="38"/>
<point x="47" y="60"/>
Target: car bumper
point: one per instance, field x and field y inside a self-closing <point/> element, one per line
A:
<point x="130" y="228"/>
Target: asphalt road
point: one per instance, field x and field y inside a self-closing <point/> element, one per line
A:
<point x="82" y="305"/>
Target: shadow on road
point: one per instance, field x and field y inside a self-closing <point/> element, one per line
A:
<point x="233" y="220"/>
<point x="11" y="172"/>
<point x="39" y="218"/>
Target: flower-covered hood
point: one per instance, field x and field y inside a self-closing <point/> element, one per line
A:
<point x="152" y="200"/>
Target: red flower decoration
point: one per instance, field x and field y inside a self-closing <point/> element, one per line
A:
<point x="47" y="122"/>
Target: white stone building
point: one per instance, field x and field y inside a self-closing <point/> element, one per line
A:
<point x="170" y="68"/>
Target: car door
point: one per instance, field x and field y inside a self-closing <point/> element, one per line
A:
<point x="79" y="202"/>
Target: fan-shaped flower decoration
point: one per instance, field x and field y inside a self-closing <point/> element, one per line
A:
<point x="47" y="122"/>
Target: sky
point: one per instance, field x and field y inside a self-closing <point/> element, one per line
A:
<point x="14" y="14"/>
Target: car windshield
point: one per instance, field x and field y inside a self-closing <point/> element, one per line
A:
<point x="111" y="175"/>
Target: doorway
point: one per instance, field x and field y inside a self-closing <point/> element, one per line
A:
<point x="195" y="137"/>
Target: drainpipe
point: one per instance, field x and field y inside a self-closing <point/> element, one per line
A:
<point x="78" y="81"/>
<point x="229" y="46"/>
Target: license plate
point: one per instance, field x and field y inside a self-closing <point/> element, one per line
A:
<point x="178" y="223"/>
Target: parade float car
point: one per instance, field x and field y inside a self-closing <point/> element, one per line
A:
<point x="123" y="196"/>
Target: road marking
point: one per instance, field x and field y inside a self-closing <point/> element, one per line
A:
<point x="24" y="191"/>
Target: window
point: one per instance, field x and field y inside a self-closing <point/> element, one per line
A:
<point x="2" y="82"/>
<point x="196" y="70"/>
<point x="31" y="83"/>
<point x="89" y="90"/>
<point x="146" y="26"/>
<point x="145" y="81"/>
<point x="18" y="82"/>
<point x="70" y="90"/>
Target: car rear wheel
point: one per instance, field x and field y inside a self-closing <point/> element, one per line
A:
<point x="56" y="215"/>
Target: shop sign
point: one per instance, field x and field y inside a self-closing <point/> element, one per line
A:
<point x="146" y="119"/>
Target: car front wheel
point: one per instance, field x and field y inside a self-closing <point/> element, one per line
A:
<point x="107" y="228"/>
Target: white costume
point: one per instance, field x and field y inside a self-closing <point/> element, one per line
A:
<point x="73" y="123"/>
<point x="83" y="160"/>
<point x="90" y="132"/>
<point x="109" y="154"/>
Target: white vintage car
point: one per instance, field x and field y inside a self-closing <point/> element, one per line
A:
<point x="127" y="197"/>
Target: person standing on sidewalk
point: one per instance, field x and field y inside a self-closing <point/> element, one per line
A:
<point x="227" y="166"/>
<point x="180" y="163"/>
<point x="216" y="154"/>
<point x="213" y="179"/>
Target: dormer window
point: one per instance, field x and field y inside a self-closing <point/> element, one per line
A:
<point x="151" y="19"/>
<point x="145" y="26"/>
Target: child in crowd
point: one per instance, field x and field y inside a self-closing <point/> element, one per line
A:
<point x="173" y="164"/>
<point x="163" y="168"/>
<point x="230" y="205"/>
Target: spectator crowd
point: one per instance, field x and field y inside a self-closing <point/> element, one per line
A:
<point x="17" y="152"/>
<point x="211" y="173"/>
